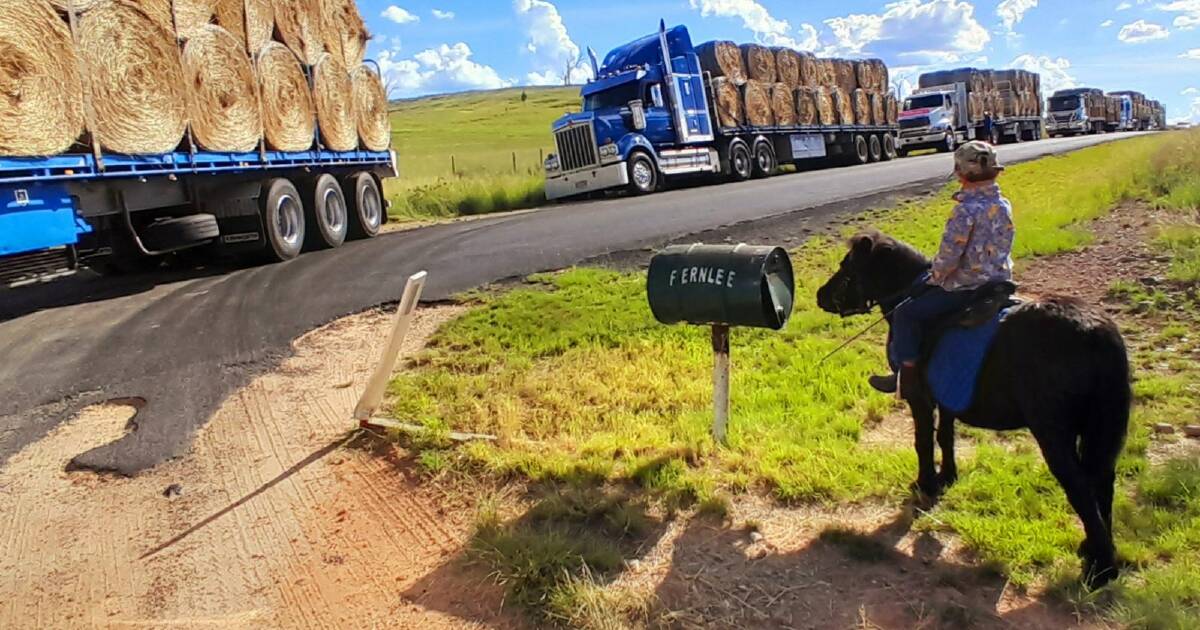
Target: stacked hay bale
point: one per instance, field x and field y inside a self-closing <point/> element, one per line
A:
<point x="148" y="76"/>
<point x="996" y="93"/>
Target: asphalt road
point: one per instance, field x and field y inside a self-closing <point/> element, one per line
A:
<point x="182" y="345"/>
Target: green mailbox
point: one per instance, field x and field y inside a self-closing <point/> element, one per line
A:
<point x="721" y="286"/>
<point x="729" y="285"/>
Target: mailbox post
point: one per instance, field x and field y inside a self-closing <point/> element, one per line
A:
<point x="721" y="286"/>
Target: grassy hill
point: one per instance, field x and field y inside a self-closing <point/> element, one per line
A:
<point x="480" y="129"/>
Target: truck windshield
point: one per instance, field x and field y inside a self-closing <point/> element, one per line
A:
<point x="927" y="101"/>
<point x="616" y="97"/>
<point x="1064" y="103"/>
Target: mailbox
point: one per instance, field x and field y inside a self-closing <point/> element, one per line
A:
<point x="724" y="285"/>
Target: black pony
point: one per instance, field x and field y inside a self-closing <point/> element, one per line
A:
<point x="1055" y="366"/>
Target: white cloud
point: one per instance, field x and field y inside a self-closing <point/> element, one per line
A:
<point x="1190" y="10"/>
<point x="399" y="16"/>
<point x="1124" y="6"/>
<point x="442" y="15"/>
<point x="937" y="31"/>
<point x="1011" y="12"/>
<point x="1055" y="73"/>
<point x="446" y="68"/>
<point x="756" y="19"/>
<point x="1142" y="31"/>
<point x="1192" y="115"/>
<point x="1106" y="23"/>
<point x="1191" y="54"/>
<point x="549" y="45"/>
<point x="1190" y="91"/>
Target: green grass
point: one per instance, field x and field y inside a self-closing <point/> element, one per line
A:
<point x="587" y="389"/>
<point x="482" y="132"/>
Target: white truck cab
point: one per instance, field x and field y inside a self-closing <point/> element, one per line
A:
<point x="935" y="118"/>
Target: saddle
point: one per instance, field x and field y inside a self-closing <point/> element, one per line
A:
<point x="987" y="301"/>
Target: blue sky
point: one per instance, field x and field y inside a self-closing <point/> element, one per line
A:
<point x="433" y="46"/>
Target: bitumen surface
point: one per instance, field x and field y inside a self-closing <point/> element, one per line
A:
<point x="182" y="341"/>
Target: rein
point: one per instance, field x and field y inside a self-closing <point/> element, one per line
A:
<point x="907" y="293"/>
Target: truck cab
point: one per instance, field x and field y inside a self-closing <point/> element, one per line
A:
<point x="645" y="114"/>
<point x="1067" y="115"/>
<point x="933" y="118"/>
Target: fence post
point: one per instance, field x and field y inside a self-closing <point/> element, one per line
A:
<point x="453" y="168"/>
<point x="514" y="155"/>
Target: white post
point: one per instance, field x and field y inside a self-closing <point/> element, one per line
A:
<point x="372" y="396"/>
<point x="720" y="344"/>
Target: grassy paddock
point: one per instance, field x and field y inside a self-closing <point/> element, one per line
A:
<point x="587" y="389"/>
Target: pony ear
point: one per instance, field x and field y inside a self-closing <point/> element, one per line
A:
<point x="861" y="245"/>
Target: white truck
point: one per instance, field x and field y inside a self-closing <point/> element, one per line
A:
<point x="956" y="106"/>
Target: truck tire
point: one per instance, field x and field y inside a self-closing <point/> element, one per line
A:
<point x="175" y="232"/>
<point x="889" y="147"/>
<point x="643" y="177"/>
<point x="364" y="205"/>
<point x="740" y="166"/>
<point x="283" y="219"/>
<point x="860" y="152"/>
<point x="902" y="153"/>
<point x="326" y="214"/>
<point x="874" y="148"/>
<point x="764" y="160"/>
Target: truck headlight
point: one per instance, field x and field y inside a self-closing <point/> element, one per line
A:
<point x="608" y="152"/>
<point x="551" y="163"/>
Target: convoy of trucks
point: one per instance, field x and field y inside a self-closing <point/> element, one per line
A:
<point x="658" y="110"/>
<point x="1086" y="110"/>
<point x="955" y="106"/>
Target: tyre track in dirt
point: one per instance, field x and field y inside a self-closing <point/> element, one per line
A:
<point x="285" y="518"/>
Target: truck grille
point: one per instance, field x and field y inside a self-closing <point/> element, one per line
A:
<point x="22" y="268"/>
<point x="913" y="123"/>
<point x="576" y="147"/>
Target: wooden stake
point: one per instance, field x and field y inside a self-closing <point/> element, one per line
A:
<point x="720" y="344"/>
<point x="373" y="395"/>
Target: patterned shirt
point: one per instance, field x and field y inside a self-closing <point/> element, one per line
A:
<point x="977" y="246"/>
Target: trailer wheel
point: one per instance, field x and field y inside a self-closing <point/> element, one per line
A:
<point x="764" y="160"/>
<point x="325" y="206"/>
<point x="740" y="166"/>
<point x="365" y="205"/>
<point x="861" y="153"/>
<point x="889" y="147"/>
<point x="283" y="219"/>
<point x="874" y="148"/>
<point x="643" y="177"/>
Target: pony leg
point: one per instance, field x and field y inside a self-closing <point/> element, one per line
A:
<point x="926" y="472"/>
<point x="945" y="439"/>
<point x="1100" y="565"/>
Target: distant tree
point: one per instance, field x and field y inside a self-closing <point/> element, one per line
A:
<point x="524" y="96"/>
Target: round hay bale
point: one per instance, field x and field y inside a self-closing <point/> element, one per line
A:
<point x="334" y="96"/>
<point x="806" y="106"/>
<point x="861" y="104"/>
<point x="298" y="23"/>
<point x="79" y="5"/>
<point x="137" y="97"/>
<point x="826" y="108"/>
<point x="787" y="66"/>
<point x="191" y="16"/>
<point x="343" y="31"/>
<point x="828" y="73"/>
<point x="371" y="109"/>
<point x="289" y="119"/>
<point x="843" y="106"/>
<point x="783" y="104"/>
<point x="756" y="96"/>
<point x="235" y="15"/>
<point x="893" y="108"/>
<point x="157" y="10"/>
<point x="723" y="59"/>
<point x="728" y="100"/>
<point x="222" y="92"/>
<point x="810" y="70"/>
<point x="760" y="63"/>
<point x="878" y="113"/>
<point x="41" y="96"/>
<point x="844" y="75"/>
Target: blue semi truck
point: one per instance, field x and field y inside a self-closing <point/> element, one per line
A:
<point x="117" y="213"/>
<point x="648" y="116"/>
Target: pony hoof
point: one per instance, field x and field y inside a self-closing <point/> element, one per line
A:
<point x="1098" y="576"/>
<point x="929" y="488"/>
<point x="947" y="479"/>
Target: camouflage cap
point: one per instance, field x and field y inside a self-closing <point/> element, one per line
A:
<point x="977" y="159"/>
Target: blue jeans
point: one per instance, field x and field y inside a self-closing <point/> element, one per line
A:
<point x="908" y="320"/>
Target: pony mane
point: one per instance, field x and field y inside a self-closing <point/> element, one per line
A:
<point x="881" y="243"/>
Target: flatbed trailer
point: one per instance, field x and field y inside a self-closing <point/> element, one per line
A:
<point x="120" y="213"/>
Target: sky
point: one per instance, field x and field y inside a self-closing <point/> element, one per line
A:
<point x="1152" y="46"/>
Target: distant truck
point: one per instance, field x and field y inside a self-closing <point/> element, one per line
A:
<point x="955" y="106"/>
<point x="1078" y="111"/>
<point x="651" y="114"/>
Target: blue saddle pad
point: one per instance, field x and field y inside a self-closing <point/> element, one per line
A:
<point x="953" y="368"/>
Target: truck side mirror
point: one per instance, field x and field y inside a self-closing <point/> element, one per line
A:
<point x="656" y="95"/>
<point x="638" y="112"/>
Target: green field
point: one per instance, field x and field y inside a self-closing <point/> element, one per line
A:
<point x="588" y="391"/>
<point x="456" y="151"/>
